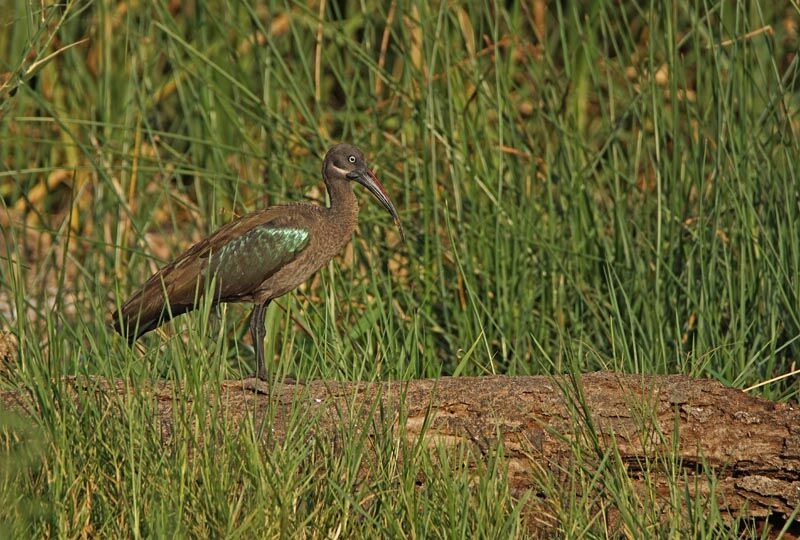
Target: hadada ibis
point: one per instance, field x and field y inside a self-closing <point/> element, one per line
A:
<point x="260" y="256"/>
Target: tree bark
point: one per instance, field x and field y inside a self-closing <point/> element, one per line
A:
<point x="751" y="445"/>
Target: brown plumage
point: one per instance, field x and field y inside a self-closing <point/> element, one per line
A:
<point x="258" y="257"/>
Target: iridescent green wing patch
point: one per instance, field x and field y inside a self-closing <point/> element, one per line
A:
<point x="245" y="262"/>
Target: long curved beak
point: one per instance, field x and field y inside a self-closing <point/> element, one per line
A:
<point x="367" y="178"/>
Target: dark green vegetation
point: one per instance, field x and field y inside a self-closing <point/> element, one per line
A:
<point x="610" y="187"/>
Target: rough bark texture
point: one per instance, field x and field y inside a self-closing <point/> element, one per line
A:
<point x="752" y="445"/>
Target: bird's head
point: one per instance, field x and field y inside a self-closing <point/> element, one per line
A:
<point x="346" y="162"/>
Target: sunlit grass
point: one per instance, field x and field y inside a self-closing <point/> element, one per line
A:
<point x="618" y="193"/>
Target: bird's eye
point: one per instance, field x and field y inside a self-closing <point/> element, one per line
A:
<point x="352" y="159"/>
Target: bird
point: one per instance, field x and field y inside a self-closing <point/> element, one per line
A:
<point x="259" y="256"/>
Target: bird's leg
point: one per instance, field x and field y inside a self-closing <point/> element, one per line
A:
<point x="257" y="332"/>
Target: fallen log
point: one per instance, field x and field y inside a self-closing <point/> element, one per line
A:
<point x="750" y="445"/>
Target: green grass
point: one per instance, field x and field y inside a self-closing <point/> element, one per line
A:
<point x="617" y="193"/>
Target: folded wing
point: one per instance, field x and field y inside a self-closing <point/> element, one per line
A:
<point x="237" y="257"/>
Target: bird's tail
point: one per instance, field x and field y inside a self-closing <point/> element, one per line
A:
<point x="146" y="310"/>
<point x="136" y="317"/>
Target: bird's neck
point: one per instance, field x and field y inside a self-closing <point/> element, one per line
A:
<point x="343" y="210"/>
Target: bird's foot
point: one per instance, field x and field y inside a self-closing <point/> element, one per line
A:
<point x="293" y="380"/>
<point x="287" y="379"/>
<point x="255" y="385"/>
<point x="259" y="382"/>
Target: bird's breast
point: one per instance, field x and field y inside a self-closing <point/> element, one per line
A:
<point x="325" y="244"/>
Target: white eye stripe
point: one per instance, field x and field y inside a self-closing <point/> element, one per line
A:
<point x="340" y="170"/>
<point x="352" y="159"/>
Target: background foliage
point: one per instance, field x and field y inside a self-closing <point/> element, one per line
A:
<point x="585" y="185"/>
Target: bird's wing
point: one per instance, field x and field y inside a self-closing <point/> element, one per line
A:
<point x="241" y="255"/>
<point x="245" y="262"/>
